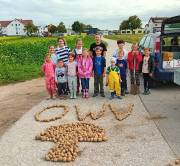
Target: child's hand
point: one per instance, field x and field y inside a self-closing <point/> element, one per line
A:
<point x="92" y="74"/>
<point x="104" y="74"/>
<point x="106" y="83"/>
<point x="150" y="74"/>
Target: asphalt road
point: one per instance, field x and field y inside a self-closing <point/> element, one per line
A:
<point x="164" y="106"/>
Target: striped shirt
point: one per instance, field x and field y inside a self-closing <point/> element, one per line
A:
<point x="63" y="53"/>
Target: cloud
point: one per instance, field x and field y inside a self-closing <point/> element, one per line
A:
<point x="105" y="14"/>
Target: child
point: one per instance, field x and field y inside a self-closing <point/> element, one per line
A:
<point x="99" y="69"/>
<point x="113" y="80"/>
<point x="85" y="66"/>
<point x="134" y="63"/>
<point x="147" y="69"/>
<point x="78" y="49"/>
<point x="72" y="75"/>
<point x="122" y="64"/>
<point x="62" y="51"/>
<point x="122" y="50"/>
<point x="53" y="55"/>
<point x="78" y="54"/>
<point x="120" y="44"/>
<point x="61" y="78"/>
<point x="48" y="70"/>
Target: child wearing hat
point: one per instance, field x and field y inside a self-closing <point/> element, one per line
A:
<point x="113" y="79"/>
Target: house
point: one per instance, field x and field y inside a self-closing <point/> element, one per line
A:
<point x="138" y="31"/>
<point x="154" y="24"/>
<point x="103" y="32"/>
<point x="41" y="30"/>
<point x="70" y="31"/>
<point x="91" y="31"/>
<point x="134" y="31"/>
<point x="14" y="27"/>
<point x="126" y="31"/>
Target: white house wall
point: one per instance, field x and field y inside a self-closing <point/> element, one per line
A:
<point x="15" y="28"/>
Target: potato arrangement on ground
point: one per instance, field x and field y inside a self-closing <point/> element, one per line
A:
<point x="38" y="118"/>
<point x="67" y="138"/>
<point x="120" y="114"/>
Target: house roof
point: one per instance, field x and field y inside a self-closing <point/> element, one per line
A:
<point x="158" y="19"/>
<point x="6" y="23"/>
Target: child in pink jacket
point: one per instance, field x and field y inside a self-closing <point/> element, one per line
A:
<point x="85" y="66"/>
<point x="48" y="69"/>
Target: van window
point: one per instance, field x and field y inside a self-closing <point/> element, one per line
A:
<point x="171" y="50"/>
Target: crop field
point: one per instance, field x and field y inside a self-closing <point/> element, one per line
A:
<point x="127" y="38"/>
<point x="21" y="57"/>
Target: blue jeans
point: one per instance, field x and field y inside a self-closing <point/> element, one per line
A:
<point x="85" y="83"/>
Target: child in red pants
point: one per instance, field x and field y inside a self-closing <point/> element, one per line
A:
<point x="48" y="69"/>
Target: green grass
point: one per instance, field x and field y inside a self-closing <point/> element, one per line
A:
<point x="21" y="57"/>
<point x="127" y="38"/>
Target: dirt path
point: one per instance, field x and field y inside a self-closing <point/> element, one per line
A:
<point x="16" y="99"/>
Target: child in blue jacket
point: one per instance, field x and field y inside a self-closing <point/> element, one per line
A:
<point x="122" y="64"/>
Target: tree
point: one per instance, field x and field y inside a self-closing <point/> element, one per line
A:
<point x="52" y="28"/>
<point x="124" y="25"/>
<point x="78" y="27"/>
<point x="30" y="29"/>
<point x="61" y="28"/>
<point x="87" y="26"/>
<point x="133" y="22"/>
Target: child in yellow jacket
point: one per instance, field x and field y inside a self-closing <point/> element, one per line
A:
<point x="113" y="79"/>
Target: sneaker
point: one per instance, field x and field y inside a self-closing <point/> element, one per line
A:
<point x="148" y="92"/>
<point x="84" y="94"/>
<point x="102" y="95"/>
<point x="145" y="92"/>
<point x="111" y="97"/>
<point x="95" y="95"/>
<point x="123" y="93"/>
<point x="119" y="97"/>
<point x="126" y="92"/>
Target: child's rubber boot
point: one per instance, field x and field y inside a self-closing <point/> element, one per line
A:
<point x="71" y="95"/>
<point x="83" y="93"/>
<point x="87" y="93"/>
<point x="74" y="95"/>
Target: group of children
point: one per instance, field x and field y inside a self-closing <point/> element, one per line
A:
<point x="64" y="70"/>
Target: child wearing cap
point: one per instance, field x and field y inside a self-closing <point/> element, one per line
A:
<point x="99" y="69"/>
<point x="113" y="79"/>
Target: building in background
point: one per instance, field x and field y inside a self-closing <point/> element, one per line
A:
<point x="70" y="31"/>
<point x="134" y="31"/>
<point x="14" y="27"/>
<point x="154" y="25"/>
<point x="104" y="32"/>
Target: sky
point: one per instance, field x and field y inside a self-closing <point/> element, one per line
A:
<point x="103" y="14"/>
